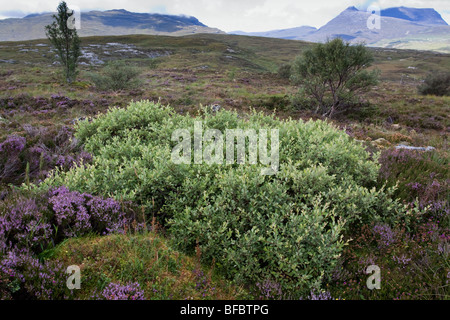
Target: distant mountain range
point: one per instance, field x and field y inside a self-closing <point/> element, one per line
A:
<point x="401" y="27"/>
<point x="102" y="23"/>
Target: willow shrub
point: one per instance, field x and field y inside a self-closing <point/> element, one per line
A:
<point x="288" y="228"/>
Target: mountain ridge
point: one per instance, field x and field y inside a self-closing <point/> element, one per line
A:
<point x="108" y="23"/>
<point x="422" y="16"/>
<point x="410" y="28"/>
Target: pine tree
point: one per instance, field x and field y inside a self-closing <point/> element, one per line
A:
<point x="65" y="40"/>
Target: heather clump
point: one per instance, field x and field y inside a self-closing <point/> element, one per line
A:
<point x="32" y="156"/>
<point x="47" y="219"/>
<point x="414" y="264"/>
<point x="30" y="227"/>
<point x="325" y="295"/>
<point x="25" y="225"/>
<point x="10" y="151"/>
<point x="25" y="277"/>
<point x="117" y="291"/>
<point x="53" y="104"/>
<point x="77" y="214"/>
<point x="422" y="178"/>
<point x="384" y="234"/>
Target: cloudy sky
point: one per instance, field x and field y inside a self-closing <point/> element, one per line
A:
<point x="229" y="15"/>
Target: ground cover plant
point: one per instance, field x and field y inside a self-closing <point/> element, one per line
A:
<point x="394" y="202"/>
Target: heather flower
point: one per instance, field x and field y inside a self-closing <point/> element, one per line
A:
<point x="386" y="236"/>
<point x="444" y="248"/>
<point x="402" y="260"/>
<point x="342" y="274"/>
<point x="13" y="145"/>
<point x="107" y="215"/>
<point x="65" y="161"/>
<point x="321" y="295"/>
<point x="78" y="214"/>
<point x="61" y="161"/>
<point x="37" y="154"/>
<point x="83" y="157"/>
<point x="25" y="225"/>
<point x="364" y="262"/>
<point x="61" y="104"/>
<point x="71" y="213"/>
<point x="116" y="291"/>
<point x="202" y="283"/>
<point x="64" y="134"/>
<point x="270" y="290"/>
<point x="43" y="281"/>
<point x="415" y="185"/>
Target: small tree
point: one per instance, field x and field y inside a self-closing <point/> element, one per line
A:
<point x="331" y="74"/>
<point x="65" y="40"/>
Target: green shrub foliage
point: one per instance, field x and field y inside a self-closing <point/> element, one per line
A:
<point x="437" y="84"/>
<point x="116" y="76"/>
<point x="289" y="228"/>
